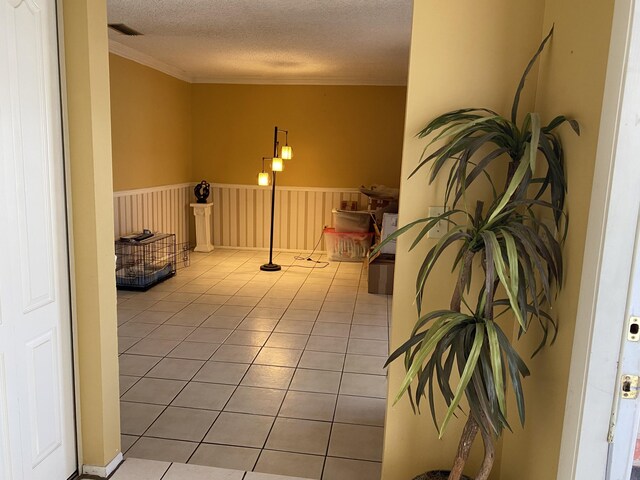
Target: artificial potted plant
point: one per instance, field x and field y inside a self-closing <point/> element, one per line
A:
<point x="512" y="247"/>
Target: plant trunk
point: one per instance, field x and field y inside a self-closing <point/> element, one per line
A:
<point x="489" y="456"/>
<point x="472" y="427"/>
<point x="469" y="433"/>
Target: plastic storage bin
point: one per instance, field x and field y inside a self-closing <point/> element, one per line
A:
<point x="347" y="246"/>
<point x="347" y="221"/>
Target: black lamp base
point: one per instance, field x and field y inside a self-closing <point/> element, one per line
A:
<point x="270" y="267"/>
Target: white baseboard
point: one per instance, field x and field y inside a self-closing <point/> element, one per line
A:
<point x="264" y="249"/>
<point x="103" y="471"/>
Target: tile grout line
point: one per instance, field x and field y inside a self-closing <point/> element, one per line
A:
<point x="292" y="377"/>
<point x="184" y="386"/>
<point x="297" y="366"/>
<point x="240" y="381"/>
<point x="344" y="362"/>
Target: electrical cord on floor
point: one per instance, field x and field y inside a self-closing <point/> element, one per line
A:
<point x="308" y="258"/>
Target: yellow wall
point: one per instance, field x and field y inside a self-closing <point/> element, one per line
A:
<point x="462" y="54"/>
<point x="151" y="126"/>
<point x="166" y="131"/>
<point x="92" y="251"/>
<point x="571" y="82"/>
<point x="342" y="136"/>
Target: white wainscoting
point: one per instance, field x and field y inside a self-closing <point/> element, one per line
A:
<point x="160" y="209"/>
<point x="242" y="214"/>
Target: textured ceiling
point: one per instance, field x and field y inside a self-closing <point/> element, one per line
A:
<point x="270" y="41"/>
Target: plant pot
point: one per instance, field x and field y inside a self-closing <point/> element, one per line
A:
<point x="437" y="475"/>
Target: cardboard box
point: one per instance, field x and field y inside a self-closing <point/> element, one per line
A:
<point x="389" y="225"/>
<point x="381" y="271"/>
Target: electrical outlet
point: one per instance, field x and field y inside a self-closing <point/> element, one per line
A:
<point x="440" y="228"/>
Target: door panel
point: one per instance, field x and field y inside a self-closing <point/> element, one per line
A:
<point x="5" y="444"/>
<point x="44" y="398"/>
<point x="37" y="427"/>
<point x="32" y="157"/>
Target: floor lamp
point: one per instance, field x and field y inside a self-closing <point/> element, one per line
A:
<point x="277" y="165"/>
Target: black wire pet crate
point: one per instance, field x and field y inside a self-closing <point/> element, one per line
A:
<point x="143" y="260"/>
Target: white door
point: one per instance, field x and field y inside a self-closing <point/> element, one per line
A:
<point x="624" y="454"/>
<point x="37" y="426"/>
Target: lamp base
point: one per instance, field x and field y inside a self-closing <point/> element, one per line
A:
<point x="270" y="267"/>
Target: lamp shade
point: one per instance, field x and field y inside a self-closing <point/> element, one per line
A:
<point x="263" y="179"/>
<point x="277" y="164"/>
<point x="286" y="153"/>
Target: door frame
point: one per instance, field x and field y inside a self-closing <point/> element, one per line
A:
<point x="70" y="245"/>
<point x="606" y="271"/>
<point x="87" y="26"/>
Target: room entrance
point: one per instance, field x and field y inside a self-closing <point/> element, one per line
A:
<point x="37" y="423"/>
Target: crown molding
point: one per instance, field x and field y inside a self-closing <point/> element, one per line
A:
<point x="144" y="59"/>
<point x="270" y="80"/>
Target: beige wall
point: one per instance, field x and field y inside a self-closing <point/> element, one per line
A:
<point x="571" y="82"/>
<point x="92" y="251"/>
<point x="462" y="54"/>
<point x="342" y="136"/>
<point x="166" y="131"/>
<point x="150" y="125"/>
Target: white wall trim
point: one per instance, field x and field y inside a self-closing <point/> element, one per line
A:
<point x="286" y="188"/>
<point x="126" y="193"/>
<point x="147" y="60"/>
<point x="103" y="471"/>
<point x="161" y="209"/>
<point x="270" y="80"/>
<point x="606" y="264"/>
<point x="280" y="250"/>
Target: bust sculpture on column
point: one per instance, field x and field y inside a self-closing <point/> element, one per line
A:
<point x="202" y="191"/>
<point x="202" y="214"/>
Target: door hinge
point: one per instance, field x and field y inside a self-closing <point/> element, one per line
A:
<point x="629" y="386"/>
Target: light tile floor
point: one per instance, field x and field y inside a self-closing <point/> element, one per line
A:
<point x="272" y="372"/>
<point x="141" y="469"/>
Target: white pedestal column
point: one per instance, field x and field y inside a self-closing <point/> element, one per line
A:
<point x="202" y="212"/>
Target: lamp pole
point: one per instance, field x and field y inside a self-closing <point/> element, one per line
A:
<point x="272" y="267"/>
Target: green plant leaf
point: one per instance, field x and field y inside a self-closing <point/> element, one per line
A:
<point x="535" y="139"/>
<point x="432" y="223"/>
<point x="517" y="368"/>
<point x="559" y="120"/>
<point x="469" y="368"/>
<point x="496" y="365"/>
<point x="512" y="256"/>
<point x="492" y="242"/>
<point x="431" y="258"/>
<point x="511" y="188"/>
<point x="516" y="100"/>
<point x="399" y="232"/>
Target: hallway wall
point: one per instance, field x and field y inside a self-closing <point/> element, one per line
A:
<point x="151" y="126"/>
<point x="571" y="82"/>
<point x="342" y="136"/>
<point x="480" y="66"/>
